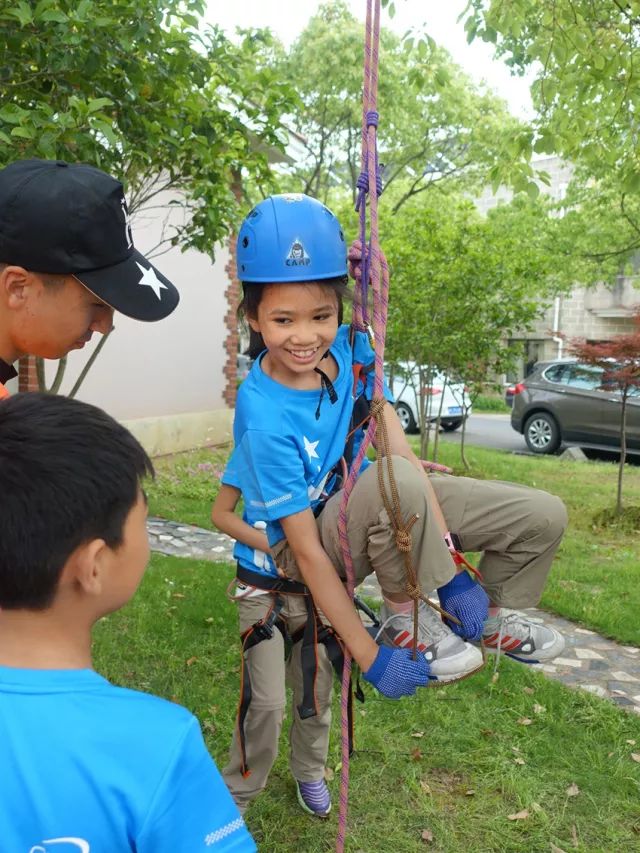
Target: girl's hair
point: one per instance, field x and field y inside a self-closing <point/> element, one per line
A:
<point x="252" y="296"/>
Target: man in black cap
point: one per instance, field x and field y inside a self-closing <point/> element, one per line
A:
<point x="67" y="261"/>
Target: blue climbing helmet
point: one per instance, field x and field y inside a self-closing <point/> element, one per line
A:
<point x="290" y="238"/>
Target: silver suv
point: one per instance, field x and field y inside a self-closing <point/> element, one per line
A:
<point x="565" y="402"/>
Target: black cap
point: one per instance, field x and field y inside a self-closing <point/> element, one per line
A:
<point x="72" y="219"/>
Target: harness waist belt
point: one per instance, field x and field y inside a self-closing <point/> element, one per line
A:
<point x="270" y="584"/>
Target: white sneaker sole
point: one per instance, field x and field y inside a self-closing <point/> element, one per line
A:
<point x="538" y="656"/>
<point x="457" y="667"/>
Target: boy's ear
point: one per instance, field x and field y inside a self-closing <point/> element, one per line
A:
<point x="86" y="566"/>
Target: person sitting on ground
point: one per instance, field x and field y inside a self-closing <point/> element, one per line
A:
<point x="294" y="414"/>
<point x="86" y="764"/>
<point x="67" y="260"/>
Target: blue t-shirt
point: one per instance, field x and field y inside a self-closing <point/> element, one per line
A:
<point x="86" y="767"/>
<point x="284" y="456"/>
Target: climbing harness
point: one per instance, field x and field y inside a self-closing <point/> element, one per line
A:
<point x="313" y="633"/>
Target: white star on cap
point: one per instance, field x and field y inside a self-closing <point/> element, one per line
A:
<point x="310" y="447"/>
<point x="150" y="278"/>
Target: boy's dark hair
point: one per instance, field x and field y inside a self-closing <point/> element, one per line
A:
<point x="252" y="296"/>
<point x="69" y="473"/>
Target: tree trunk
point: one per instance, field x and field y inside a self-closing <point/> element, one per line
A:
<point x="436" y="439"/>
<point x="57" y="379"/>
<point x="623" y="450"/>
<point x="89" y="363"/>
<point x="465" y="415"/>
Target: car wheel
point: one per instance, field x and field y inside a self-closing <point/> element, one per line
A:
<point x="405" y="416"/>
<point x="542" y="434"/>
<point x="449" y="426"/>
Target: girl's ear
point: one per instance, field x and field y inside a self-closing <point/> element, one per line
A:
<point x="255" y="325"/>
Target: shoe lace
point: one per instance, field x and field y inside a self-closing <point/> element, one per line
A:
<point x="517" y="626"/>
<point x="428" y="622"/>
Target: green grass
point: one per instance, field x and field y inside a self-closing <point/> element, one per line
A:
<point x="444" y="761"/>
<point x="490" y="403"/>
<point x="595" y="579"/>
<point x="186" y="485"/>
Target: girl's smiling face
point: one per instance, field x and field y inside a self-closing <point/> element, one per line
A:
<point x="298" y="323"/>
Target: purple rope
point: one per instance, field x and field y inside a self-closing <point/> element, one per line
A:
<point x="370" y="181"/>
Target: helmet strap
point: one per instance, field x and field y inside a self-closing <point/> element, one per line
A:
<point x="325" y="385"/>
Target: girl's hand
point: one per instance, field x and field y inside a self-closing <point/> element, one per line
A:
<point x="465" y="599"/>
<point x="394" y="672"/>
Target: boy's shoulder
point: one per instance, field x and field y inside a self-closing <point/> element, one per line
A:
<point x="86" y="691"/>
<point x="152" y="723"/>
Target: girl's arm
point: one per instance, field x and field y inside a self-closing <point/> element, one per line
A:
<point x="326" y="588"/>
<point x="223" y="515"/>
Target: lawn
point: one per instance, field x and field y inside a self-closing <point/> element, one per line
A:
<point x="595" y="579"/>
<point x="459" y="761"/>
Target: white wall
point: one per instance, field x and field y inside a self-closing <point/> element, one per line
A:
<point x="170" y="367"/>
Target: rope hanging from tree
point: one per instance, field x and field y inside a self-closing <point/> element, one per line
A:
<point x="375" y="270"/>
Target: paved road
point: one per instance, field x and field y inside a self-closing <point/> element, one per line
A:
<point x="489" y="431"/>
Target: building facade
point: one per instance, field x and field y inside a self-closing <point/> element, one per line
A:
<point x="597" y="314"/>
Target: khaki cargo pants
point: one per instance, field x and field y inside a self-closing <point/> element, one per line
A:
<point x="517" y="529"/>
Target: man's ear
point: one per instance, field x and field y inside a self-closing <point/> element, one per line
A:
<point x="86" y="567"/>
<point x="15" y="283"/>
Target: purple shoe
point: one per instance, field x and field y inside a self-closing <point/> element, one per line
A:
<point x="314" y="797"/>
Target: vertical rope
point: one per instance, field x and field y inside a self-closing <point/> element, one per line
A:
<point x="369" y="183"/>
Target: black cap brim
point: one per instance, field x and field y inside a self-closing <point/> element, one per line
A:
<point x="133" y="287"/>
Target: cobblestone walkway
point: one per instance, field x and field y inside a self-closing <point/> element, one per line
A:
<point x="589" y="661"/>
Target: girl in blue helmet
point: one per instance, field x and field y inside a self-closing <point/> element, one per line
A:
<point x="294" y="418"/>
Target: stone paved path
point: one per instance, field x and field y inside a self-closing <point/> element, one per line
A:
<point x="589" y="661"/>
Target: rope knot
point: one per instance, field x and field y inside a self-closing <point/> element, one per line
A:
<point x="413" y="591"/>
<point x="372" y="118"/>
<point x="403" y="541"/>
<point x="363" y="181"/>
<point x="376" y="407"/>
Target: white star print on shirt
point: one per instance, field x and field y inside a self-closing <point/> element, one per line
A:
<point x="310" y="447"/>
<point x="150" y="278"/>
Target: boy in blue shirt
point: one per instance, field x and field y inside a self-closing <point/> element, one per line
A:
<point x="86" y="766"/>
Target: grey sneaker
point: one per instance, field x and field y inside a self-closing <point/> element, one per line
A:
<point x="448" y="656"/>
<point x="511" y="633"/>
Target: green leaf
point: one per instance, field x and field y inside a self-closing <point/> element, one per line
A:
<point x="97" y="104"/>
<point x="54" y="16"/>
<point x="22" y="12"/>
<point x="631" y="182"/>
<point x="533" y="190"/>
<point x="12" y="114"/>
<point x="23" y="132"/>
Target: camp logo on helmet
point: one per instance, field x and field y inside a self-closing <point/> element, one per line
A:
<point x="297" y="256"/>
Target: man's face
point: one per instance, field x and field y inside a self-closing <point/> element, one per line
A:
<point x="51" y="318"/>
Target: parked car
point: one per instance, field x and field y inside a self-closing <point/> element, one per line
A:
<point x="441" y="396"/>
<point x="566" y="402"/>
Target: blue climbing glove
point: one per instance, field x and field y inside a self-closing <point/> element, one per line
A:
<point x="394" y="672"/>
<point x="465" y="598"/>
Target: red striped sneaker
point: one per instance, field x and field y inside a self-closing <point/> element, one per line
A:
<point x="448" y="656"/>
<point x="511" y="633"/>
